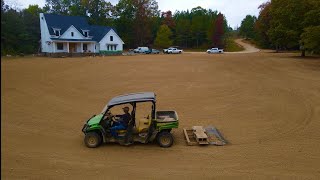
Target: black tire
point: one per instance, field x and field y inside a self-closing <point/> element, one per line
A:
<point x="165" y="139"/>
<point x="92" y="139"/>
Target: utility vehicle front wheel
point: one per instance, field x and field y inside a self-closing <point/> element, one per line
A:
<point x="165" y="139"/>
<point x="92" y="139"/>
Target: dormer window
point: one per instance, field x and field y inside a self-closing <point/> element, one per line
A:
<point x="56" y="32"/>
<point x="72" y="34"/>
<point x="85" y="33"/>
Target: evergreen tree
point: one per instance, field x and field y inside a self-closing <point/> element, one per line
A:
<point x="163" y="37"/>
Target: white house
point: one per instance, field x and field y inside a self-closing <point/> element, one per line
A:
<point x="73" y="34"/>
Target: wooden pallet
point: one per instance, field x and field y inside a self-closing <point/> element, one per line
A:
<point x="198" y="135"/>
<point x="188" y="134"/>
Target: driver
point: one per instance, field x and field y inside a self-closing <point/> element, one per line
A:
<point x="122" y="123"/>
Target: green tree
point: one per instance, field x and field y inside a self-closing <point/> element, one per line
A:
<point x="13" y="31"/>
<point x="99" y="12"/>
<point x="183" y="28"/>
<point x="124" y="22"/>
<point x="310" y="39"/>
<point x="286" y="24"/>
<point x="163" y="37"/>
<point x="32" y="28"/>
<point x="262" y="25"/>
<point x="310" y="36"/>
<point x="247" y="27"/>
<point x="58" y="6"/>
<point x="197" y="28"/>
<point x="134" y="20"/>
<point x="199" y="25"/>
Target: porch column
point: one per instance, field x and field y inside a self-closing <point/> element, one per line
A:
<point x="81" y="46"/>
<point x="54" y="46"/>
<point x="68" y="47"/>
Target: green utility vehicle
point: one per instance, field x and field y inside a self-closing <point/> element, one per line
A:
<point x="154" y="125"/>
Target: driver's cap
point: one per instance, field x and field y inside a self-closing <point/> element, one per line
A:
<point x="126" y="108"/>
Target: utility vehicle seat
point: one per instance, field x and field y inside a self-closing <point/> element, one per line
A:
<point x="144" y="123"/>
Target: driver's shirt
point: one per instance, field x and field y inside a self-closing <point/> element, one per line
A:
<point x="124" y="119"/>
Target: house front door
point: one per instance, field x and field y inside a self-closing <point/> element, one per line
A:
<point x="72" y="47"/>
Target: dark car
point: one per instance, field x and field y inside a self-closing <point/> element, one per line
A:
<point x="153" y="51"/>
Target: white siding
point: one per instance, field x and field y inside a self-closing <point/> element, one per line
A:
<point x="106" y="40"/>
<point x="97" y="47"/>
<point x="76" y="34"/>
<point x="45" y="35"/>
<point x="90" y="47"/>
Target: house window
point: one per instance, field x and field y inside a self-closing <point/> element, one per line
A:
<point x="72" y="34"/>
<point x="57" y="32"/>
<point x="85" y="47"/>
<point x="86" y="33"/>
<point x="115" y="47"/>
<point x="95" y="46"/>
<point x="111" y="38"/>
<point x="60" y="46"/>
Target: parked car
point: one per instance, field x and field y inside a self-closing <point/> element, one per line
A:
<point x="214" y="50"/>
<point x="155" y="51"/>
<point x="174" y="51"/>
<point x="166" y="50"/>
<point x="141" y="50"/>
<point x="155" y="126"/>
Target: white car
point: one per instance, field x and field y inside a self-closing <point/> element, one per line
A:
<point x="174" y="51"/>
<point x="214" y="50"/>
<point x="141" y="50"/>
<point x="166" y="50"/>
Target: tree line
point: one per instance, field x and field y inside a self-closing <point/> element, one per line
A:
<point x="139" y="23"/>
<point x="285" y="25"/>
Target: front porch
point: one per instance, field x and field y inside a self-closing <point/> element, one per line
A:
<point x="65" y="54"/>
<point x="74" y="47"/>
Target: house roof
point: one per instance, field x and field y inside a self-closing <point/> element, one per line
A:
<point x="98" y="32"/>
<point x="64" y="22"/>
<point x="80" y="23"/>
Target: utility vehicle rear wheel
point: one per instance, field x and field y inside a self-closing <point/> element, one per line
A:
<point x="165" y="139"/>
<point x="92" y="139"/>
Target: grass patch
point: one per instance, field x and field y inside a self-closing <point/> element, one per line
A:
<point x="232" y="46"/>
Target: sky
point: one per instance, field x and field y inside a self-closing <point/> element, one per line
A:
<point x="234" y="10"/>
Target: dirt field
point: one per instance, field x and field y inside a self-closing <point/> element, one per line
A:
<point x="267" y="105"/>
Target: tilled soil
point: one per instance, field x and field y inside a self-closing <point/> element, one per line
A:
<point x="266" y="105"/>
